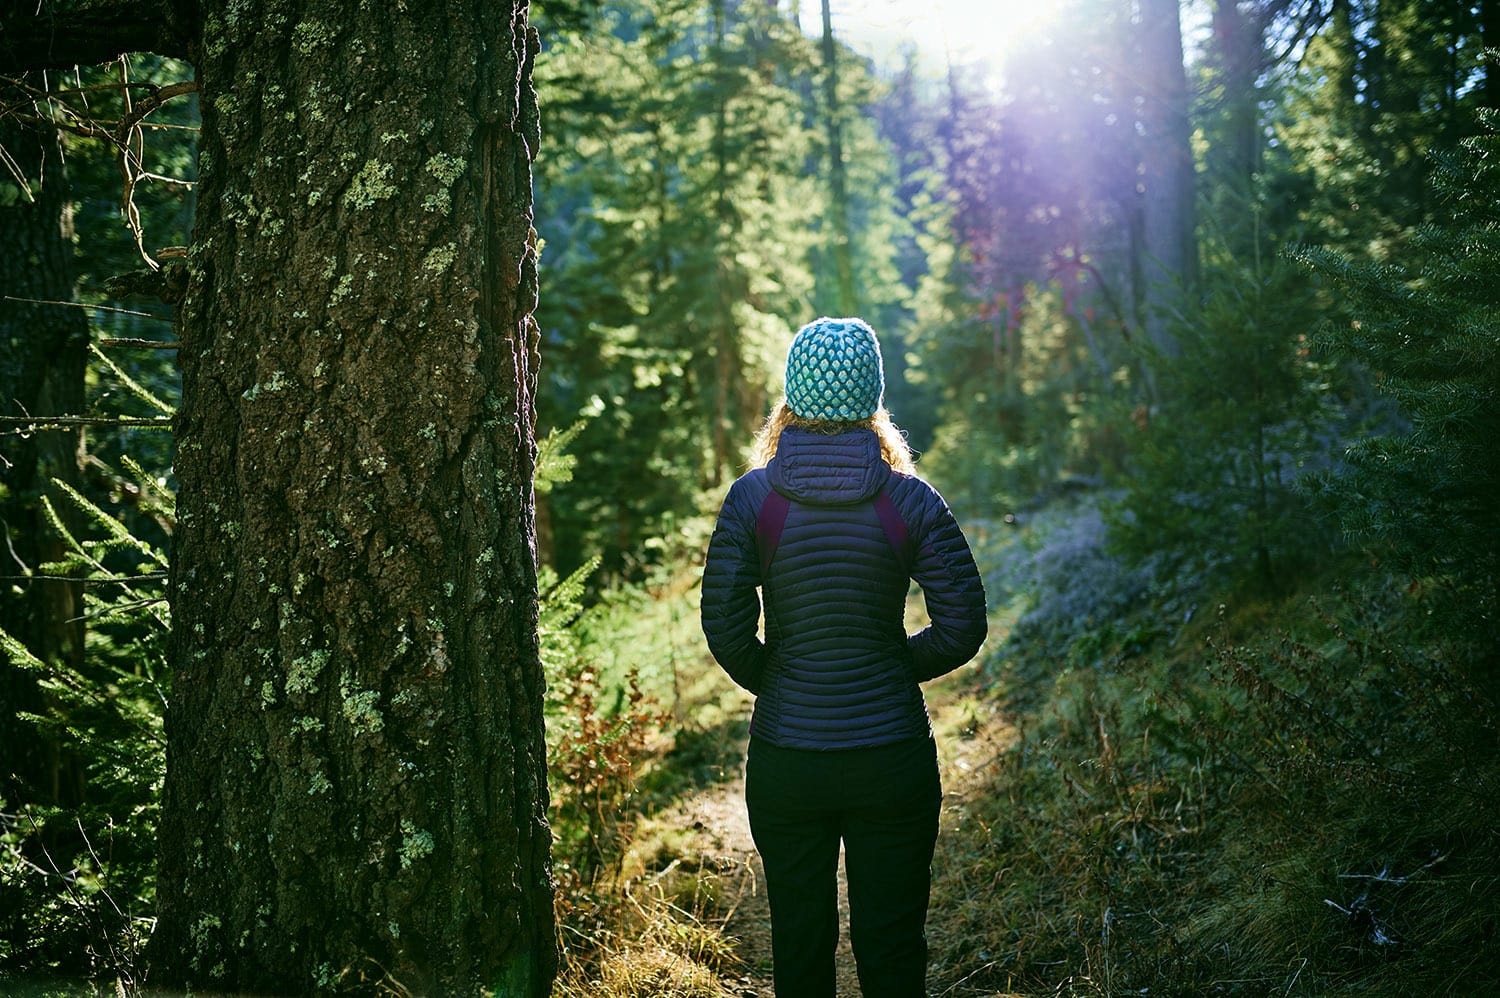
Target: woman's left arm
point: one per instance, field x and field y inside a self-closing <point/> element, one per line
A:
<point x="953" y="591"/>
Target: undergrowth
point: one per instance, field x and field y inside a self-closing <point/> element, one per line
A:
<point x="637" y="717"/>
<point x="1289" y="796"/>
<point x="77" y="880"/>
<point x="1249" y="795"/>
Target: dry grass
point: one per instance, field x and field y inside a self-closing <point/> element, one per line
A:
<point x="652" y="950"/>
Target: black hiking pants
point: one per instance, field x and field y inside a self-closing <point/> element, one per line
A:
<point x="882" y="803"/>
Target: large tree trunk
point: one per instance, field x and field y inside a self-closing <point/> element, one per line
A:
<point x="356" y="788"/>
<point x="356" y="781"/>
<point x="42" y="360"/>
<point x="1169" y="252"/>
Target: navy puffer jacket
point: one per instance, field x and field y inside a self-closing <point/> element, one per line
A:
<point x="837" y="669"/>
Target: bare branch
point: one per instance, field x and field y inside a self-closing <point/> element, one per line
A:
<point x="79" y="304"/>
<point x="40" y="94"/>
<point x="33" y="424"/>
<point x="125" y="341"/>
<point x="159" y="97"/>
<point x="88" y="131"/>
<point x="115" y="608"/>
<point x="130" y="172"/>
<point x="87" y="580"/>
<point x="15" y="171"/>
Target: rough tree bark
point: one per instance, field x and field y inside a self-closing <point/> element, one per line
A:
<point x="42" y="360"/>
<point x="356" y="790"/>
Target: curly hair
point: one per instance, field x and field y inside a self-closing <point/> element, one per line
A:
<point x="893" y="446"/>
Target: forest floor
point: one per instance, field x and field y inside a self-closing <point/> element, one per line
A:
<point x="713" y="841"/>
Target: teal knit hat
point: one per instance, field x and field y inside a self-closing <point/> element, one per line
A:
<point x="833" y="371"/>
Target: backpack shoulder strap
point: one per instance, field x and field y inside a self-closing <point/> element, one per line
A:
<point x="768" y="526"/>
<point x="771" y="521"/>
<point x="894" y="525"/>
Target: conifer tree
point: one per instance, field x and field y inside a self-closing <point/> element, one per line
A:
<point x="1429" y="332"/>
<point x="678" y="216"/>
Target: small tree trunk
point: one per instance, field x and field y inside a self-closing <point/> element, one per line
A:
<point x="1170" y="255"/>
<point x="356" y="790"/>
<point x="843" y="264"/>
<point x="1237" y="57"/>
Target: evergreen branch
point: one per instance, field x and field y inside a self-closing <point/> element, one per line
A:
<point x="135" y="387"/>
<point x="115" y="609"/>
<point x="168" y="499"/>
<point x="18" y="653"/>
<point x="55" y="521"/>
<point x="116" y="529"/>
<point x="34" y="424"/>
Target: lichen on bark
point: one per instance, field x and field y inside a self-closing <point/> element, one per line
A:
<point x="356" y="790"/>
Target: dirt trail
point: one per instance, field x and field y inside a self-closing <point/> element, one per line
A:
<point x="721" y="827"/>
<point x="717" y="815"/>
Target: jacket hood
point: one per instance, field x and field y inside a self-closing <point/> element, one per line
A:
<point x="828" y="470"/>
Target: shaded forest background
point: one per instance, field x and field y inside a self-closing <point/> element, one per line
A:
<point x="1196" y="330"/>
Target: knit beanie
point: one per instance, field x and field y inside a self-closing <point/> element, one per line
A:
<point x="833" y="371"/>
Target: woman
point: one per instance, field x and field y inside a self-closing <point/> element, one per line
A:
<point x="831" y="527"/>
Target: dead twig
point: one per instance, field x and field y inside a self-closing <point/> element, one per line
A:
<point x="34" y="424"/>
<point x="79" y="304"/>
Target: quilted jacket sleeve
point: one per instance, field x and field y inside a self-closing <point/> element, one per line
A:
<point x="731" y="605"/>
<point x="945" y="569"/>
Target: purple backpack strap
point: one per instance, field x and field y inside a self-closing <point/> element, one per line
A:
<point x="768" y="526"/>
<point x="771" y="520"/>
<point x="894" y="526"/>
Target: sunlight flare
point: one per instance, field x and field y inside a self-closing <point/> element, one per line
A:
<point x="968" y="30"/>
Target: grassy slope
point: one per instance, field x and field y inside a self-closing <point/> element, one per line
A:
<point x="1289" y="796"/>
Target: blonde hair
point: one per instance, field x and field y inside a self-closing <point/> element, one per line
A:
<point x="893" y="446"/>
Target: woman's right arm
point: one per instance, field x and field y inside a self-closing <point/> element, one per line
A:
<point x="731" y="605"/>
